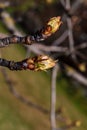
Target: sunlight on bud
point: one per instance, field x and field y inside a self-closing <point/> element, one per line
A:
<point x="41" y="62"/>
<point x="52" y="26"/>
<point x="44" y="63"/>
<point x="55" y="23"/>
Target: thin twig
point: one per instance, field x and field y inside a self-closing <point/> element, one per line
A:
<point x="51" y="27"/>
<point x="70" y="31"/>
<point x="62" y="2"/>
<point x="78" y="77"/>
<point x="67" y="5"/>
<point x="45" y="48"/>
<point x="20" y="97"/>
<point x="61" y="38"/>
<point x="36" y="63"/>
<point x="75" y="6"/>
<point x="81" y="46"/>
<point x="53" y="97"/>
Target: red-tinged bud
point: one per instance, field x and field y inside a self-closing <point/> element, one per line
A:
<point x="52" y="26"/>
<point x="41" y="62"/>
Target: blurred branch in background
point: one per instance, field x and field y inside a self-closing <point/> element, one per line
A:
<point x="53" y="97"/>
<point x="68" y="46"/>
<point x="10" y="85"/>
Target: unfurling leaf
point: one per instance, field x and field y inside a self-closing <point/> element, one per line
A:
<point x="52" y="26"/>
<point x="41" y="62"/>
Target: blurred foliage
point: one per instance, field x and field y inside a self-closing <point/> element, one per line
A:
<point x="74" y="93"/>
<point x="35" y="87"/>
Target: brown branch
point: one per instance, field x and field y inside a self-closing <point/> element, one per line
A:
<point x="51" y="27"/>
<point x="37" y="63"/>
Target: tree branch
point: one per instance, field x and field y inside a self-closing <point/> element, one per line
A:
<point x="51" y="27"/>
<point x="53" y="98"/>
<point x="37" y="63"/>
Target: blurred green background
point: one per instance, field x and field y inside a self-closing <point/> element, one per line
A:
<point x="35" y="86"/>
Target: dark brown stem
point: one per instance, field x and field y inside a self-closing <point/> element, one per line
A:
<point x="29" y="39"/>
<point x="11" y="64"/>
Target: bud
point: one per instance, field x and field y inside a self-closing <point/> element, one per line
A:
<point x="41" y="62"/>
<point x="52" y="26"/>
